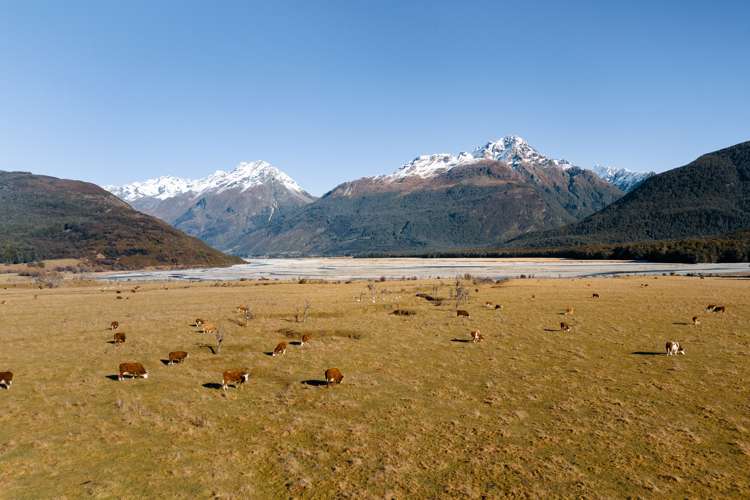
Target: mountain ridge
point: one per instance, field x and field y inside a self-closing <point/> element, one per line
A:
<point x="45" y="217"/>
<point x="698" y="211"/>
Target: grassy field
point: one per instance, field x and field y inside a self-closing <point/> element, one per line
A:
<point x="531" y="411"/>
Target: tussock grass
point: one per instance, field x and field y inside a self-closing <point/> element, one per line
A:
<point x="597" y="412"/>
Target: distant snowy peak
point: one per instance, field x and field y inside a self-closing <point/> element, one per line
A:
<point x="511" y="149"/>
<point x="515" y="150"/>
<point x="429" y="165"/>
<point x="245" y="176"/>
<point x="625" y="179"/>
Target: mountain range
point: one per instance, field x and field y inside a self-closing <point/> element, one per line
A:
<point x="498" y="191"/>
<point x="502" y="198"/>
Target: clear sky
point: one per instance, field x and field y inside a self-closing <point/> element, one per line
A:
<point x="328" y="91"/>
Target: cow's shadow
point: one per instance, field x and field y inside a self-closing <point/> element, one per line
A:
<point x="113" y="377"/>
<point x="212" y="385"/>
<point x="648" y="353"/>
<point x="315" y="382"/>
<point x="464" y="341"/>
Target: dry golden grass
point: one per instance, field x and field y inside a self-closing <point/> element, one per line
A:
<point x="530" y="411"/>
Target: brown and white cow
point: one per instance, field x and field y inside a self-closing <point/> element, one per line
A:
<point x="176" y="357"/>
<point x="565" y="327"/>
<point x="198" y="322"/>
<point x="235" y="377"/>
<point x="570" y="311"/>
<point x="243" y="309"/>
<point x="696" y="321"/>
<point x="133" y="370"/>
<point x="279" y="349"/>
<point x="333" y="376"/>
<point x="6" y="379"/>
<point x="114" y="325"/>
<point x="476" y="336"/>
<point x="674" y="348"/>
<point x="305" y="339"/>
<point x="119" y="338"/>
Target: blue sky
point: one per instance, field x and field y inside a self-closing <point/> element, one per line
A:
<point x="328" y="91"/>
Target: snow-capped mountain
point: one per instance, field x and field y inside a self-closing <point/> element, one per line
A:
<point x="516" y="152"/>
<point x="511" y="149"/>
<point x="245" y="176"/>
<point x="441" y="201"/>
<point x="625" y="179"/>
<point x="220" y="207"/>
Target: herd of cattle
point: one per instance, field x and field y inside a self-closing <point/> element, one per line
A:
<point x="234" y="377"/>
<point x="238" y="377"/>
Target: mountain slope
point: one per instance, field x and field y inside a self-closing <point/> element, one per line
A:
<point x="709" y="197"/>
<point x="436" y="202"/>
<point x="45" y="217"/>
<point x="220" y="208"/>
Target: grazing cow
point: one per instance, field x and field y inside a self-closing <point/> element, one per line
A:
<point x="334" y="376"/>
<point x="719" y="309"/>
<point x="570" y="311"/>
<point x="489" y="305"/>
<point x="177" y="357"/>
<point x="674" y="348"/>
<point x="235" y="377"/>
<point x="305" y="339"/>
<point x="595" y="296"/>
<point x="6" y="379"/>
<point x="243" y="309"/>
<point x="696" y="321"/>
<point x="711" y="307"/>
<point x="461" y="312"/>
<point x="198" y="322"/>
<point x="565" y="327"/>
<point x="279" y="349"/>
<point x="119" y="338"/>
<point x="133" y="370"/>
<point x="114" y="325"/>
<point x="209" y="328"/>
<point x="476" y="337"/>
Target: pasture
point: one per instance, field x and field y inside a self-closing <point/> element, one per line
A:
<point x="531" y="410"/>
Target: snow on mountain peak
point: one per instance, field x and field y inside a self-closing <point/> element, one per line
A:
<point x="428" y="165"/>
<point x="625" y="179"/>
<point x="244" y="176"/>
<point x="511" y="149"/>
